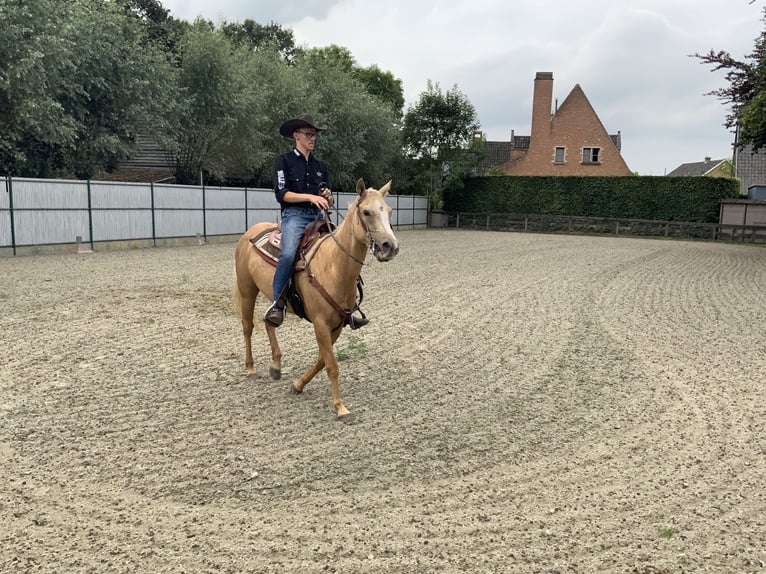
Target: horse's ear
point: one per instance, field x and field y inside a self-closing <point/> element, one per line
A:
<point x="385" y="189"/>
<point x="360" y="187"/>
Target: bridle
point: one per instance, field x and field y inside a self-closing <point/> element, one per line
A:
<point x="373" y="246"/>
<point x="346" y="315"/>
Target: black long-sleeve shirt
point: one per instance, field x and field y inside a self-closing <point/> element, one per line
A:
<point x="292" y="172"/>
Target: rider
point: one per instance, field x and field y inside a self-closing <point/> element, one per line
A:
<point x="302" y="187"/>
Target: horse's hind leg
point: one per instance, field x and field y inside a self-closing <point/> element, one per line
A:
<point x="246" y="306"/>
<point x="275" y="369"/>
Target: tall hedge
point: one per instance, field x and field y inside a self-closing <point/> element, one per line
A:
<point x="641" y="197"/>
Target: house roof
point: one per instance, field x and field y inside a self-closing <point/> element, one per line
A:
<point x="697" y="168"/>
<point x="495" y="153"/>
<point x="136" y="175"/>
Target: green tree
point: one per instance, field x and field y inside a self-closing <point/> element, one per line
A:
<point x="440" y="146"/>
<point x="331" y="56"/>
<point x="746" y="93"/>
<point x="161" y="27"/>
<point x="77" y="79"/>
<point x="362" y="139"/>
<point x="254" y="35"/>
<point x="32" y="69"/>
<point x="378" y="83"/>
<point x="268" y="80"/>
<point x="382" y="85"/>
<point x="121" y="84"/>
<point x="212" y="101"/>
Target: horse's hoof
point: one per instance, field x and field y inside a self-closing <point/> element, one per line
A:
<point x="275" y="374"/>
<point x="294" y="390"/>
<point x="346" y="418"/>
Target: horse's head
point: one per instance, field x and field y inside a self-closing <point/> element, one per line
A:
<point x="374" y="216"/>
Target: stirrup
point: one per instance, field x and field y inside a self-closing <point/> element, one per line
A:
<point x="274" y="315"/>
<point x="357" y="322"/>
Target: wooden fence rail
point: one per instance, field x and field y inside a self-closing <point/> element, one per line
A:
<point x="608" y="226"/>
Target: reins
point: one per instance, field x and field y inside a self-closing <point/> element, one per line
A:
<point x="344" y="250"/>
<point x="346" y="315"/>
<point x="368" y="235"/>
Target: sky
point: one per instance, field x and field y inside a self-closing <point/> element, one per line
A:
<point x="632" y="58"/>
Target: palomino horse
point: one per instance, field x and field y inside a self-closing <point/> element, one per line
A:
<point x="328" y="286"/>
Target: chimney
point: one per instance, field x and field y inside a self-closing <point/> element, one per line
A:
<point x="707" y="158"/>
<point x="541" y="103"/>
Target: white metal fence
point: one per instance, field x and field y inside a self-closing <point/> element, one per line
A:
<point x="38" y="212"/>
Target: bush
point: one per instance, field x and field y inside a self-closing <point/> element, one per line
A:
<point x="646" y="197"/>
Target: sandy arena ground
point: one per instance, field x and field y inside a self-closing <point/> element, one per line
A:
<point x="523" y="403"/>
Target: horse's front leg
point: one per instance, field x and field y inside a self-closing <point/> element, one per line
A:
<point x="326" y="339"/>
<point x="299" y="384"/>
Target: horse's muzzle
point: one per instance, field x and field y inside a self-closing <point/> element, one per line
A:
<point x="385" y="251"/>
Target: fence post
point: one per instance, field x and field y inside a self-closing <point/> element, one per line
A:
<point x="204" y="213"/>
<point x="9" y="184"/>
<point x="90" y="217"/>
<point x="154" y="221"/>
<point x="245" y="208"/>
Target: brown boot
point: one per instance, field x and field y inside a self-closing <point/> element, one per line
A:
<point x="275" y="314"/>
<point x="358" y="322"/>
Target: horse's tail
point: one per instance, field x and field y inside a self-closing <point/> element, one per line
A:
<point x="236" y="299"/>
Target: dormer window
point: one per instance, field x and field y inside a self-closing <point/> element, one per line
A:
<point x="591" y="155"/>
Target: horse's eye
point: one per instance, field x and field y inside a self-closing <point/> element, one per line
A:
<point x="366" y="212"/>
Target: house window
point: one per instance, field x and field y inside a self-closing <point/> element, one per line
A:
<point x="591" y="155"/>
<point x="559" y="154"/>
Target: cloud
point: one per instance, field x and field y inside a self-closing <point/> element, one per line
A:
<point x="264" y="11"/>
<point x="632" y="58"/>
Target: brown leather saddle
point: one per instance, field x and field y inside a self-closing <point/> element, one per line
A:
<point x="268" y="243"/>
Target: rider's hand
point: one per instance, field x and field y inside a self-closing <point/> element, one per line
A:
<point x="327" y="194"/>
<point x="319" y="201"/>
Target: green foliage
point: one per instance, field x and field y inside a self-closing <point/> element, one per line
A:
<point x="439" y="145"/>
<point x="668" y="532"/>
<point x="253" y="35"/>
<point x="382" y="85"/>
<point x="160" y="27"/>
<point x="332" y="56"/>
<point x="362" y="138"/>
<point x="495" y="171"/>
<point x="80" y="80"/>
<point x="355" y="348"/>
<point x="646" y="197"/>
<point x="77" y="80"/>
<point x="746" y="93"/>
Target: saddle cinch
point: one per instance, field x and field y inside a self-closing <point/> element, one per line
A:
<point x="268" y="245"/>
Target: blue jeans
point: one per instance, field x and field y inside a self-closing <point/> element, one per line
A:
<point x="294" y="222"/>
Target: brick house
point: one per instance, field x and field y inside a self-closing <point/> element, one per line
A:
<point x="707" y="168"/>
<point x="749" y="167"/>
<point x="567" y="140"/>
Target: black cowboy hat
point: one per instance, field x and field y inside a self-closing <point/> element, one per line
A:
<point x="302" y="121"/>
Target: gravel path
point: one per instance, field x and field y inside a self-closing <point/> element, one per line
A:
<point x="523" y="403"/>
